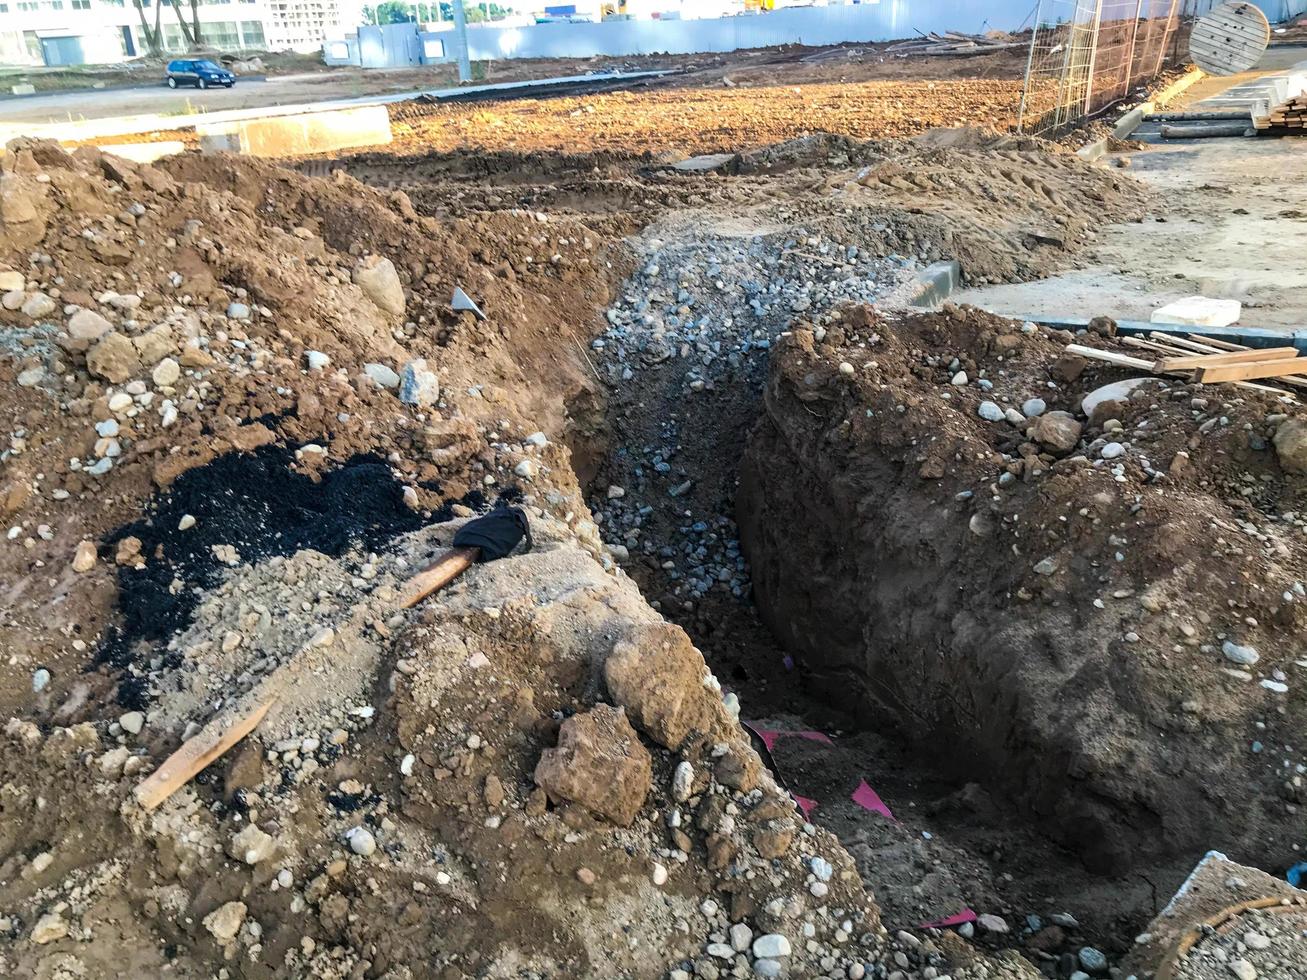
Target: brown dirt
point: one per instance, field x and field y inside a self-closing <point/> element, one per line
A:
<point x="1060" y="630"/>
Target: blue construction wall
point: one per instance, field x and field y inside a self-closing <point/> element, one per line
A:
<point x="889" y="19"/>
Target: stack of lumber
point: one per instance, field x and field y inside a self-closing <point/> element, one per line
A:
<point x="1206" y="360"/>
<point x="1290" y="114"/>
<point x="951" y="43"/>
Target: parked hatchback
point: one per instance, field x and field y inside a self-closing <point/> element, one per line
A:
<point x="201" y="74"/>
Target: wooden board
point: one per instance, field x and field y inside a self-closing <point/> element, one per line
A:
<point x="1230" y="39"/>
<point x="1252" y="369"/>
<point x="1193" y="361"/>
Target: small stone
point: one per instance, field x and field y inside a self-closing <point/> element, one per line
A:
<point x="84" y="560"/>
<point x="767" y="969"/>
<point x="11" y="280"/>
<point x="1092" y="961"/>
<point x="114" y="358"/>
<point x="252" y="845"/>
<point x="821" y="868"/>
<point x="132" y="722"/>
<point x="1046" y="567"/>
<point x="959" y="380"/>
<point x="381" y="375"/>
<point x="1059" y="432"/>
<point x="31" y="377"/>
<point x="88" y="325"/>
<point x="993" y="923"/>
<point x="49" y="928"/>
<point x="238" y="311"/>
<point x="316" y="360"/>
<point x="682" y="781"/>
<point x="846" y="368"/>
<point x="1238" y="654"/>
<point x="376" y="276"/>
<point x="38" y="305"/>
<point x="741" y="937"/>
<point x="361" y="841"/>
<point x="166" y="373"/>
<point x="1242" y="969"/>
<point x="418" y="384"/>
<point x="585" y="876"/>
<point x="659" y="875"/>
<point x="40" y="680"/>
<point x="186" y="523"/>
<point x="1033" y="407"/>
<point x="525" y="469"/>
<point x="224" y="922"/>
<point x="990" y="412"/>
<point x="771" y="946"/>
<point x="1112" y="450"/>
<point x="537" y="439"/>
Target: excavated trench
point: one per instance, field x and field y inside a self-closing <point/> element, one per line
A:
<point x="686" y="451"/>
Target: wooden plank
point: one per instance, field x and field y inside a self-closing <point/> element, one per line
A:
<point x="1255" y="369"/>
<point x="1110" y="357"/>
<point x="1189" y="362"/>
<point x="195" y="755"/>
<point x="1186" y="343"/>
<point x="437" y="575"/>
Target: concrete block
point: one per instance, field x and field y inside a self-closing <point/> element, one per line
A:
<point x="937" y="281"/>
<point x="145" y="152"/>
<point x="309" y="132"/>
<point x="1199" y="311"/>
<point x="23" y="88"/>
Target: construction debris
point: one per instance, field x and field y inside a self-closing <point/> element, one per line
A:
<point x="951" y="43"/>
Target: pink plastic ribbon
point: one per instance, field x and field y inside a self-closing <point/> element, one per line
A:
<point x="869" y="799"/>
<point x="771" y="736"/>
<point x="966" y="915"/>
<point x="805" y="804"/>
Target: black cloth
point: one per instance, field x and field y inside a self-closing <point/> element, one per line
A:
<point x="496" y="534"/>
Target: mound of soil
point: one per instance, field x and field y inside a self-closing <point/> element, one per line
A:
<point x="1092" y="616"/>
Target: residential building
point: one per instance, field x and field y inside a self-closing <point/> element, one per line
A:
<point x="72" y="32"/>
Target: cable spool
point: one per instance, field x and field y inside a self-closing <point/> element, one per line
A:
<point x="1229" y="39"/>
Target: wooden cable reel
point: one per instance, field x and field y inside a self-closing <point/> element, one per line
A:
<point x="1229" y="39"/>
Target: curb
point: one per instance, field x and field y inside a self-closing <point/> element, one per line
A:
<point x="1128" y="123"/>
<point x="936" y="282"/>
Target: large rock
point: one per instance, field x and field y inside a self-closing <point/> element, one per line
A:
<point x="224" y="922"/>
<point x="376" y="276"/>
<point x="88" y="325"/>
<point x="114" y="358"/>
<point x="1291" y="445"/>
<point x="657" y="676"/>
<point x="1059" y="432"/>
<point x="599" y="763"/>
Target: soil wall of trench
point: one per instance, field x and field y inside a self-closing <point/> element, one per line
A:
<point x="906" y="580"/>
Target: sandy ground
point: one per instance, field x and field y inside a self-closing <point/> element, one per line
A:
<point x="1231" y="222"/>
<point x="744" y="69"/>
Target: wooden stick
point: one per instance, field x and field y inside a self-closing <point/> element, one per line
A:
<point x="437" y="575"/>
<point x="1255" y="369"/>
<point x="1189" y="344"/>
<point x="1193" y="361"/>
<point x="1123" y="360"/>
<point x="222" y="732"/>
<point x="219" y="735"/>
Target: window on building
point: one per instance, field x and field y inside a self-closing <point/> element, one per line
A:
<point x="56" y="4"/>
<point x="4" y="8"/>
<point x="27" y="4"/>
<point x="81" y="4"/>
<point x="252" y="33"/>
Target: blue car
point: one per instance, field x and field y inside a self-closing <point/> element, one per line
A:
<point x="201" y="74"/>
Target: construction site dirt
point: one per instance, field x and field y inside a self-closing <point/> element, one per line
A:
<point x="853" y="639"/>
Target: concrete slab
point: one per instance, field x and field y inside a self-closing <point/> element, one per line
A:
<point x="145" y="152"/>
<point x="316" y="132"/>
<point x="708" y="163"/>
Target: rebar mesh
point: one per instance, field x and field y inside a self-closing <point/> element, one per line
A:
<point x="1086" y="54"/>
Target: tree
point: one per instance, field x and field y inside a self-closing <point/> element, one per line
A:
<point x="392" y="12"/>
<point x="153" y="38"/>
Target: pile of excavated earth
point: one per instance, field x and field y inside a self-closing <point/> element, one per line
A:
<point x="241" y="412"/>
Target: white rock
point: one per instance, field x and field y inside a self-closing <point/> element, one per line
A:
<point x="771" y="946"/>
<point x="238" y="311"/>
<point x="381" y="375"/>
<point x="132" y="722"/>
<point x="166" y="373"/>
<point x="31" y="377"/>
<point x="1033" y="407"/>
<point x="1238" y="654"/>
<point x="682" y="781"/>
<point x="88" y="325"/>
<point x="224" y="922"/>
<point x="960" y="379"/>
<point x="1112" y="450"/>
<point x="1242" y="969"/>
<point x="741" y="937"/>
<point x="659" y="874"/>
<point x="846" y="368"/>
<point x="376" y="276"/>
<point x="821" y="868"/>
<point x="418" y="384"/>
<point x="186" y="523"/>
<point x="11" y="280"/>
<point x="252" y="845"/>
<point x="990" y="412"/>
<point x="38" y="305"/>
<point x="108" y="428"/>
<point x="316" y="360"/>
<point x="361" y="841"/>
<point x="40" y="680"/>
<point x="525" y="469"/>
<point x="537" y="439"/>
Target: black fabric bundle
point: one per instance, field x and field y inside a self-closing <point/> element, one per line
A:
<point x="496" y="534"/>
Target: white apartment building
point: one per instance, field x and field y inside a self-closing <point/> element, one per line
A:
<point x="71" y="32"/>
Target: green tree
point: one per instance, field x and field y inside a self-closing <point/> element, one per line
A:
<point x="392" y="12"/>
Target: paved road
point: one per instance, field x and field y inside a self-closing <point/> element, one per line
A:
<point x="65" y="107"/>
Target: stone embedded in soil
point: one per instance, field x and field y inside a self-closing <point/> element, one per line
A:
<point x="1056" y="431"/>
<point x="1291" y="445"/>
<point x="381" y="375"/>
<point x="252" y="845"/>
<point x="88" y="325"/>
<point x="224" y="922"/>
<point x="49" y="928"/>
<point x="11" y="280"/>
<point x="132" y="722"/>
<point x="599" y="763"/>
<point x="419" y="384"/>
<point x="84" y="559"/>
<point x="114" y="358"/>
<point x="990" y="412"/>
<point x="361" y="841"/>
<point x="682" y="781"/>
<point x="376" y="276"/>
<point x="1240" y="654"/>
<point x="656" y="674"/>
<point x="771" y="946"/>
<point x="38" y="305"/>
<point x="166" y="373"/>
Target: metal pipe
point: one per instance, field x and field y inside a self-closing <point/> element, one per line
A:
<point x="1248" y="336"/>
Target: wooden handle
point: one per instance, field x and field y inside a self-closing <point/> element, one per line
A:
<point x="437" y="575"/>
<point x="196" y="754"/>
